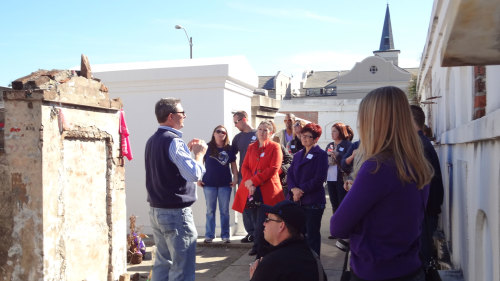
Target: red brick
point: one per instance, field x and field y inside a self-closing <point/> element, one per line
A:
<point x="479" y="70"/>
<point x="480" y="86"/>
<point x="310" y="115"/>
<point x="480" y="101"/>
<point x="479" y="113"/>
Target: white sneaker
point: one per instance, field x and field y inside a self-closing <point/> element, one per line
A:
<point x="208" y="240"/>
<point x="226" y="240"/>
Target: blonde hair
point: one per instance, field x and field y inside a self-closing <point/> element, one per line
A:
<point x="269" y="124"/>
<point x="386" y="131"/>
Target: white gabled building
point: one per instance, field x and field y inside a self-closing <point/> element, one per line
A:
<point x="328" y="97"/>
<point x="459" y="81"/>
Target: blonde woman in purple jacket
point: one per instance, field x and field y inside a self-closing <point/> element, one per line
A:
<point x="383" y="211"/>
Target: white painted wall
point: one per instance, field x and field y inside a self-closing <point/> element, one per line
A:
<point x="351" y="88"/>
<point x="209" y="89"/>
<point x="330" y="111"/>
<point x="359" y="81"/>
<point x="469" y="153"/>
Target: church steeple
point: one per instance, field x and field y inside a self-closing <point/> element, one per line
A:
<point x="386" y="49"/>
<point x="386" y="42"/>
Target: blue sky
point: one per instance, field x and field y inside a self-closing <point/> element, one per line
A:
<point x="290" y="35"/>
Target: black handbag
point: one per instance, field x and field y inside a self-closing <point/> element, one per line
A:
<point x="430" y="270"/>
<point x="431" y="274"/>
<point x="254" y="201"/>
<point x="346" y="274"/>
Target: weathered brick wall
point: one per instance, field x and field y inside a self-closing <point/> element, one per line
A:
<point x="62" y="179"/>
<point x="21" y="176"/>
<point x="479" y="91"/>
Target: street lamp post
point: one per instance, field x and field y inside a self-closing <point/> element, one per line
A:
<point x="190" y="40"/>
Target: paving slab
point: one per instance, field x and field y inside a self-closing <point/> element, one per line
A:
<point x="219" y="261"/>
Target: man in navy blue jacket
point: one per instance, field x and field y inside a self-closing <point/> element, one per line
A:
<point x="436" y="191"/>
<point x="171" y="174"/>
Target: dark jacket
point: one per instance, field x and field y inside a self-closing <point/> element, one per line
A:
<point x="291" y="260"/>
<point x="346" y="167"/>
<point x="285" y="164"/>
<point x="342" y="148"/>
<point x="164" y="183"/>
<point x="295" y="145"/>
<point x="436" y="191"/>
<point x="308" y="172"/>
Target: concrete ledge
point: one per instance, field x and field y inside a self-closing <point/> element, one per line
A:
<point x="217" y="243"/>
<point x="484" y="128"/>
<point x="451" y="275"/>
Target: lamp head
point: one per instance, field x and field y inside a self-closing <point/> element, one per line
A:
<point x="178" y="27"/>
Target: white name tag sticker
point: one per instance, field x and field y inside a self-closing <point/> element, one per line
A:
<point x="262" y="154"/>
<point x="254" y="137"/>
<point x="309" y="156"/>
<point x="341" y="149"/>
<point x="292" y="146"/>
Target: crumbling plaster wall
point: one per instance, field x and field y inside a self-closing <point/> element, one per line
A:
<point x="62" y="179"/>
<point x="22" y="202"/>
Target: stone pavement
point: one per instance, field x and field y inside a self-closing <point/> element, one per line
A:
<point x="229" y="262"/>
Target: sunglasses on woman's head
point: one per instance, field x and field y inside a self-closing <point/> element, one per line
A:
<point x="220" y="132"/>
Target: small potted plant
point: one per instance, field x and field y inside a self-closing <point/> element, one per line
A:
<point x="136" y="246"/>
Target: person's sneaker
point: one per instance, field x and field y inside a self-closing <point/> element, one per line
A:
<point x="208" y="240"/>
<point x="247" y="239"/>
<point x="226" y="240"/>
<point x="252" y="252"/>
<point x="342" y="244"/>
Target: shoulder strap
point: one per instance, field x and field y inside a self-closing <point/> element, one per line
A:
<point x="321" y="276"/>
<point x="346" y="259"/>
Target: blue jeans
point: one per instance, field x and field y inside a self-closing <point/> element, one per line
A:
<point x="248" y="221"/>
<point x="175" y="239"/>
<point x="332" y="193"/>
<point x="336" y="192"/>
<point x="260" y="245"/>
<point x="212" y="194"/>
<point x="314" y="214"/>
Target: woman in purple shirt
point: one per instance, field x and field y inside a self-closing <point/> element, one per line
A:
<point x="305" y="180"/>
<point x="383" y="211"/>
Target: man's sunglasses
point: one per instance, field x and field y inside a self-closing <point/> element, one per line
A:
<point x="269" y="219"/>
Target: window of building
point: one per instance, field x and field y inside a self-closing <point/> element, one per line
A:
<point x="331" y="91"/>
<point x="373" y="69"/>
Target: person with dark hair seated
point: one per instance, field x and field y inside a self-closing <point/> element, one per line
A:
<point x="290" y="257"/>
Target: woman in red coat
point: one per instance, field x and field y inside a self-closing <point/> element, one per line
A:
<point x="260" y="180"/>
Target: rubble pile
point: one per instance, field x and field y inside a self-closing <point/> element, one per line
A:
<point x="68" y="86"/>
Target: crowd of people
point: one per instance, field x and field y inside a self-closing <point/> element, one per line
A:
<point x="378" y="188"/>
